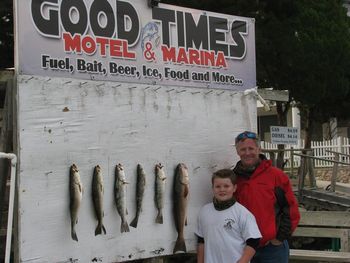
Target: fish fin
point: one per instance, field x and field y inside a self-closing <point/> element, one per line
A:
<point x="134" y="222"/>
<point x="74" y="235"/>
<point x="180" y="245"/>
<point x="159" y="218"/>
<point x="186" y="221"/>
<point x="124" y="227"/>
<point x="186" y="191"/>
<point x="98" y="229"/>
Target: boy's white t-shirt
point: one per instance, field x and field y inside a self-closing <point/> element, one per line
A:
<point x="225" y="232"/>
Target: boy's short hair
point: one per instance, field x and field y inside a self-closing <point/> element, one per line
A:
<point x="224" y="173"/>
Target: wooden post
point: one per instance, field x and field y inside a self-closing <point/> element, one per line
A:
<point x="273" y="158"/>
<point x="310" y="167"/>
<point x="301" y="179"/>
<point x="334" y="172"/>
<point x="292" y="162"/>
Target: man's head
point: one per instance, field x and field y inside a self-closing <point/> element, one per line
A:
<point x="248" y="148"/>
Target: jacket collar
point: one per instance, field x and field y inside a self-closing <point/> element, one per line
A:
<point x="247" y="173"/>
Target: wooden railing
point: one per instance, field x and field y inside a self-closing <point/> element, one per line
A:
<point x="306" y="167"/>
<point x="291" y="156"/>
<point x="324" y="149"/>
<point x="306" y="170"/>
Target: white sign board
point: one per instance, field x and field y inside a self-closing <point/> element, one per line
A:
<point x="284" y="135"/>
<point x="130" y="42"/>
<point x="65" y="121"/>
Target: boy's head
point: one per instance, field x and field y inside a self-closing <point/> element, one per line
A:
<point x="224" y="173"/>
<point x="224" y="184"/>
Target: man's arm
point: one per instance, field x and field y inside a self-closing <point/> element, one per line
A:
<point x="289" y="211"/>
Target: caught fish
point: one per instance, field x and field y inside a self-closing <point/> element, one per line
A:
<point x="120" y="196"/>
<point x="75" y="196"/>
<point x="97" y="198"/>
<point x="140" y="189"/>
<point x="180" y="199"/>
<point x="159" y="191"/>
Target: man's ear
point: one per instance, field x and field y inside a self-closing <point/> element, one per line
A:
<point x="236" y="147"/>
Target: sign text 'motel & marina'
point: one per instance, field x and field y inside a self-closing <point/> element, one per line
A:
<point x="128" y="41"/>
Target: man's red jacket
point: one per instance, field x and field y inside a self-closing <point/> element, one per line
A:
<point x="268" y="195"/>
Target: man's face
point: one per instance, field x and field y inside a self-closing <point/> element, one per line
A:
<point x="248" y="151"/>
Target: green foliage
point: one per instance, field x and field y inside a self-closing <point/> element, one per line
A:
<point x="320" y="75"/>
<point x="6" y="36"/>
<point x="302" y="46"/>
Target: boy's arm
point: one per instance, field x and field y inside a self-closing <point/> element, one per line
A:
<point x="249" y="250"/>
<point x="247" y="255"/>
<point x="200" y="253"/>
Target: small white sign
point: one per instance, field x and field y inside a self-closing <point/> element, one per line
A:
<point x="284" y="135"/>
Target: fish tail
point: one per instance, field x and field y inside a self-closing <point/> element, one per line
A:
<point x="159" y="218"/>
<point x="124" y="227"/>
<point x="73" y="233"/>
<point x="134" y="222"/>
<point x="99" y="228"/>
<point x="180" y="245"/>
<point x="104" y="229"/>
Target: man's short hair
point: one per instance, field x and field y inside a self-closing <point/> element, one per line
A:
<point x="247" y="135"/>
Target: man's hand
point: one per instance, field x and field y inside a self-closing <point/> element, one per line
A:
<point x="275" y="242"/>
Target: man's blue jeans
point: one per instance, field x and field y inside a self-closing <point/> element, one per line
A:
<point x="272" y="254"/>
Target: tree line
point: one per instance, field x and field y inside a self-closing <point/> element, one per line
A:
<point x="301" y="45"/>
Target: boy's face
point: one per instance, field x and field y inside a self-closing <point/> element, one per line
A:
<point x="223" y="189"/>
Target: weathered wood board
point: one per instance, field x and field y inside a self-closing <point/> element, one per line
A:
<point x="66" y="121"/>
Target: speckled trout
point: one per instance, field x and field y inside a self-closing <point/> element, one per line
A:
<point x="75" y="197"/>
<point x="140" y="189"/>
<point x="159" y="191"/>
<point x="120" y="196"/>
<point x="97" y="198"/>
<point x="180" y="199"/>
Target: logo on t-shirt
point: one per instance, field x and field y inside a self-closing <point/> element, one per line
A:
<point x="229" y="223"/>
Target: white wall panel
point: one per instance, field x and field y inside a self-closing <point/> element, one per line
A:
<point x="66" y="121"/>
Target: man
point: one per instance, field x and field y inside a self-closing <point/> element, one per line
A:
<point x="267" y="193"/>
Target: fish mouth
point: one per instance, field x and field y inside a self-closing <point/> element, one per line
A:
<point x="74" y="168"/>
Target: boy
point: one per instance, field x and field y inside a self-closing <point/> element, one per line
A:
<point x="226" y="231"/>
